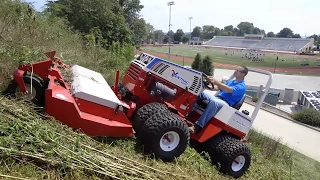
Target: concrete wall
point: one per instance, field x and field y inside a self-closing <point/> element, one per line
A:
<point x="281" y="91"/>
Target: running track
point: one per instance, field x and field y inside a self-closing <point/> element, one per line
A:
<point x="308" y="70"/>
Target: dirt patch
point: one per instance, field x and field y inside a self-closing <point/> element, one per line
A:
<point x="304" y="70"/>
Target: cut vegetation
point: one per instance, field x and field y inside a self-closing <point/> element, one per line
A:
<point x="35" y="146"/>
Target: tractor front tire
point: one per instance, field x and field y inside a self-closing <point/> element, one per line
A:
<point x="165" y="135"/>
<point x="234" y="158"/>
<point x="144" y="113"/>
<point x="34" y="84"/>
<point x="212" y="144"/>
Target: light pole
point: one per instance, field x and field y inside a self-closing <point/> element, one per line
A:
<point x="190" y="18"/>
<point x="170" y="4"/>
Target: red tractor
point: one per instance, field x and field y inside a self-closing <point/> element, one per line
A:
<point x="153" y="102"/>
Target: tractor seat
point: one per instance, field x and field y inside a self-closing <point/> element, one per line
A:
<point x="204" y="103"/>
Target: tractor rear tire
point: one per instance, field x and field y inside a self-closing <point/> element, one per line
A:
<point x="38" y="91"/>
<point x="165" y="135"/>
<point x="144" y="113"/>
<point x="234" y="157"/>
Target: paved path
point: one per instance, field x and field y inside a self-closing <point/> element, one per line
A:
<point x="298" y="137"/>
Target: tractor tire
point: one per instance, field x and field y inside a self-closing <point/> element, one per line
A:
<point x="165" y="135"/>
<point x="212" y="144"/>
<point x="38" y="91"/>
<point x="234" y="157"/>
<point x="144" y="113"/>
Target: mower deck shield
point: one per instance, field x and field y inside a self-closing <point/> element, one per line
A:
<point x="93" y="109"/>
<point x="91" y="86"/>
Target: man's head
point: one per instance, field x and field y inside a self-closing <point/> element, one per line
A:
<point x="240" y="72"/>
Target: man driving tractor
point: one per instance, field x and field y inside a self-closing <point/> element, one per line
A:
<point x="230" y="93"/>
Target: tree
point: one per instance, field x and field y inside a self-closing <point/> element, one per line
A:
<point x="131" y="10"/>
<point x="285" y="33"/>
<point x="171" y="35"/>
<point x="206" y="66"/>
<point x="228" y="30"/>
<point x="185" y="39"/>
<point x="296" y="36"/>
<point x="159" y="36"/>
<point x="166" y="39"/>
<point x="178" y="35"/>
<point x="271" y="34"/>
<point x="208" y="31"/>
<point x="257" y="30"/>
<point x="151" y="36"/>
<point x="316" y="39"/>
<point x="140" y="30"/>
<point x="197" y="62"/>
<point x="84" y="16"/>
<point x="117" y="20"/>
<point x="196" y="31"/>
<point x="245" y="28"/>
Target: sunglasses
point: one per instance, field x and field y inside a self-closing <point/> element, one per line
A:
<point x="239" y="70"/>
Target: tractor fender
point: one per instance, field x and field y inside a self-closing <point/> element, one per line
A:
<point x="18" y="77"/>
<point x="171" y="107"/>
<point x="207" y="132"/>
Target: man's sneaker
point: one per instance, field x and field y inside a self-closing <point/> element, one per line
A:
<point x="194" y="129"/>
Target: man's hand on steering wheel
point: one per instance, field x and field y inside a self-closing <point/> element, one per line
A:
<point x="208" y="81"/>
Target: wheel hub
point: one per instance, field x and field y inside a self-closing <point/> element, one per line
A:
<point x="29" y="96"/>
<point x="238" y="163"/>
<point x="169" y="141"/>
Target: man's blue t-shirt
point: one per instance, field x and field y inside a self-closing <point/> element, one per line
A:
<point x="238" y="91"/>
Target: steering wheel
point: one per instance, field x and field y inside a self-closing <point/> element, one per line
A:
<point x="207" y="83"/>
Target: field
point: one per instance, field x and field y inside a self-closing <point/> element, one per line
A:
<point x="288" y="64"/>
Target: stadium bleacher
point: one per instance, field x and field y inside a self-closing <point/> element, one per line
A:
<point x="273" y="44"/>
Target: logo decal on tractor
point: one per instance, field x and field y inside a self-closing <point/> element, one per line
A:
<point x="176" y="75"/>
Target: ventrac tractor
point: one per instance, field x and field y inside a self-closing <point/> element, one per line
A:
<point x="153" y="101"/>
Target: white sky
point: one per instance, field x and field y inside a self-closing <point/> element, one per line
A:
<point x="270" y="15"/>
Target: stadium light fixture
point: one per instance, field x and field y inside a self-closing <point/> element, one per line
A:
<point x="190" y="18"/>
<point x="170" y="4"/>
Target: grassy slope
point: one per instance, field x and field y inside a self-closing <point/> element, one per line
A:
<point x="34" y="142"/>
<point x="219" y="56"/>
<point x="37" y="147"/>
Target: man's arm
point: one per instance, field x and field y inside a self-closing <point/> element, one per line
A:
<point x="235" y="90"/>
<point x="223" y="86"/>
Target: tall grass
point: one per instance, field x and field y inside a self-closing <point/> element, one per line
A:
<point x="24" y="37"/>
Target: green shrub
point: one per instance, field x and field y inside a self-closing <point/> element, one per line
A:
<point x="206" y="66"/>
<point x="308" y="116"/>
<point x="255" y="98"/>
<point x="197" y="62"/>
